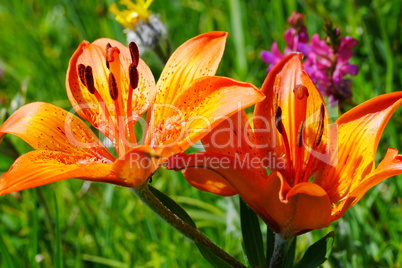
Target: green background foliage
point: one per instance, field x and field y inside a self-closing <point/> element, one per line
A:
<point x="81" y="224"/>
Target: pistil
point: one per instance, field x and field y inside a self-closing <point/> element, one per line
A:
<point x="300" y="98"/>
<point x="115" y="89"/>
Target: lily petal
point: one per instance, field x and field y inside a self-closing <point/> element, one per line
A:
<point x="232" y="174"/>
<point x="40" y="167"/>
<point x="86" y="104"/>
<point x="47" y="127"/>
<point x="294" y="102"/>
<point x="198" y="57"/>
<point x="232" y="137"/>
<point x="306" y="206"/>
<point x="360" y="130"/>
<point x="139" y="164"/>
<point x="208" y="181"/>
<point x="205" y="103"/>
<point x="390" y="166"/>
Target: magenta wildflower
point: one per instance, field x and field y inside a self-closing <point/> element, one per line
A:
<point x="328" y="64"/>
<point x="296" y="38"/>
<point x="326" y="61"/>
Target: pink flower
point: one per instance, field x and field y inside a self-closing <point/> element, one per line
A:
<point x="296" y="39"/>
<point x="327" y="66"/>
<point x="326" y="62"/>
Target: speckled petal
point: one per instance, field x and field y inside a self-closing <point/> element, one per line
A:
<point x="198" y="109"/>
<point x="48" y="127"/>
<point x="40" y="167"/>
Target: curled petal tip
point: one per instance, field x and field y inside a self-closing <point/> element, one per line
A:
<point x="218" y="34"/>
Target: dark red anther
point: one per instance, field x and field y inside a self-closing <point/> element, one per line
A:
<point x="135" y="53"/>
<point x="278" y="120"/>
<point x="81" y="73"/>
<point x="321" y="125"/>
<point x="113" y="90"/>
<point x="89" y="79"/>
<point x="300" y="135"/>
<point x="108" y="46"/>
<point x="133" y="73"/>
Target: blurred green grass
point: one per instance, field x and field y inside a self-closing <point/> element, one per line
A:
<point x="79" y="224"/>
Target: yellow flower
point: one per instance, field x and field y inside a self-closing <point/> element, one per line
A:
<point x="134" y="13"/>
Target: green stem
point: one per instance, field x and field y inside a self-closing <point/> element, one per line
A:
<point x="281" y="248"/>
<point x="161" y="53"/>
<point x="194" y="234"/>
<point x="270" y="246"/>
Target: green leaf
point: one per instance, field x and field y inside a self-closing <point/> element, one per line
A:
<point x="270" y="246"/>
<point x="173" y="206"/>
<point x="317" y="253"/>
<point x="182" y="214"/>
<point x="212" y="258"/>
<point x="290" y="255"/>
<point x="5" y="254"/>
<point x="252" y="237"/>
<point x="58" y="251"/>
<point x="35" y="230"/>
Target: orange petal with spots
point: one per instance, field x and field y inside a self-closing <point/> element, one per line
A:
<point x="48" y="127"/>
<point x="198" y="109"/>
<point x="390" y="166"/>
<point x="198" y="57"/>
<point x="359" y="132"/>
<point x="40" y="167"/>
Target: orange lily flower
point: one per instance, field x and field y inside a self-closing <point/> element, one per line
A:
<point x="319" y="170"/>
<point x="111" y="87"/>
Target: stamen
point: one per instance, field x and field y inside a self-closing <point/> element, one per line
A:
<point x="282" y="131"/>
<point x="278" y="120"/>
<point x="135" y="54"/>
<point x="299" y="154"/>
<point x="113" y="90"/>
<point x="81" y="73"/>
<point x="276" y="101"/>
<point x="89" y="79"/>
<point x="300" y="135"/>
<point x="321" y="126"/>
<point x="108" y="46"/>
<point x="300" y="91"/>
<point x="133" y="73"/>
<point x="319" y="134"/>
